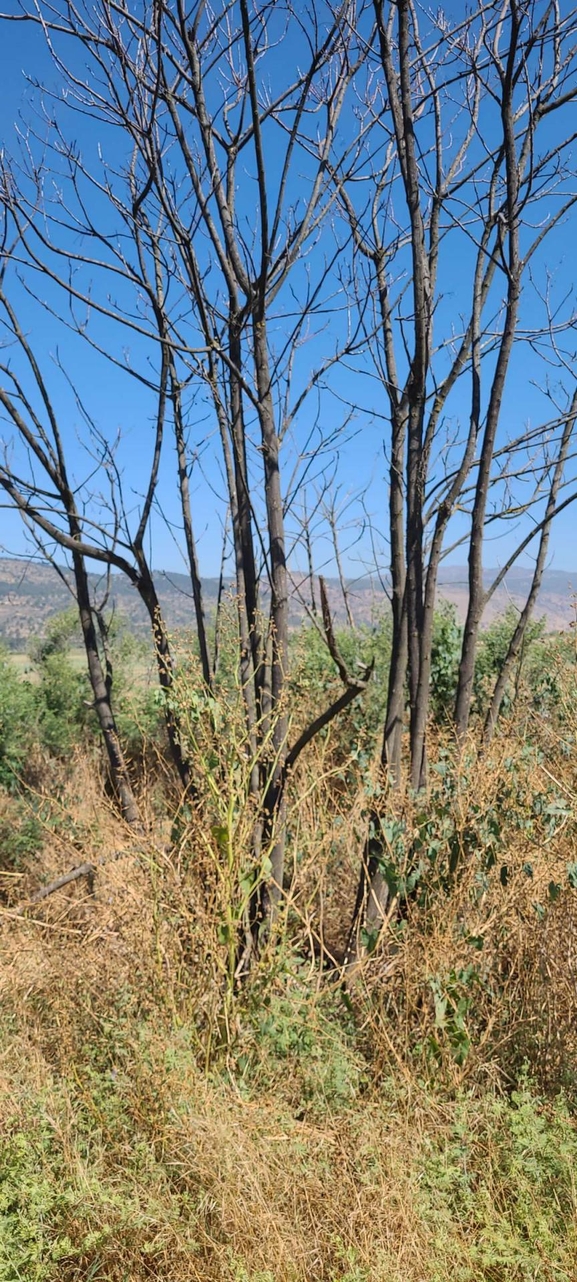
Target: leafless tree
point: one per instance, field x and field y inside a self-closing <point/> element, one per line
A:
<point x="463" y="175"/>
<point x="65" y="514"/>
<point x="217" y="201"/>
<point x="43" y="441"/>
<point x="457" y="164"/>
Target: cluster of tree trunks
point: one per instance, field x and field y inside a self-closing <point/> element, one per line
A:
<point x="251" y="192"/>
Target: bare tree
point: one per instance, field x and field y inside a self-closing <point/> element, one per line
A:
<point x="219" y="202"/>
<point x="456" y="165"/>
<point x="44" y="442"/>
<point x="543" y="531"/>
<point x="457" y="186"/>
<point x="69" y="516"/>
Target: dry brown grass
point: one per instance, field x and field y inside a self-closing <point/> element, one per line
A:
<point x="174" y="1132"/>
<point x="166" y="1174"/>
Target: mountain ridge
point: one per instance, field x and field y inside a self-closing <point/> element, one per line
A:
<point x="31" y="593"/>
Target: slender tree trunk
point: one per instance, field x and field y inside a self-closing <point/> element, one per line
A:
<point x="414" y="591"/>
<point x="342" y="581"/>
<point x="244" y="531"/>
<point x="476" y="590"/>
<point x="246" y="595"/>
<point x="102" y="702"/>
<point x="517" y="639"/>
<point x="274" y="819"/>
<point x="219" y="599"/>
<point x="370" y="911"/>
<point x="513" y="267"/>
<point x="420" y="711"/>
<point x="310" y="561"/>
<point x="402" y="110"/>
<point x="184" y="490"/>
<point x="148" y="594"/>
<point x="393" y="736"/>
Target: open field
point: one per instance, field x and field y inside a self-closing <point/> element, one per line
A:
<point x="25" y="667"/>
<point x="141" y="671"/>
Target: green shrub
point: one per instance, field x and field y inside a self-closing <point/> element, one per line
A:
<point x="63" y="696"/>
<point x="445" y="656"/>
<point x="306" y="1044"/>
<point x="315" y="681"/>
<point x="21" y="834"/>
<point x="503" y="1177"/>
<point x="493" y="646"/>
<point x="18" y="722"/>
<point x="63" y="692"/>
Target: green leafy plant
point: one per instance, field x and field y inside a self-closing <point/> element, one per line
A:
<point x="18" y="722"/>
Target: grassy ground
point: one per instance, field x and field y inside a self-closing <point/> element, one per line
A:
<point x="25" y="668"/>
<point x="155" y="1126"/>
<point x="141" y="669"/>
<point x="157" y="1123"/>
<point x="126" y="1162"/>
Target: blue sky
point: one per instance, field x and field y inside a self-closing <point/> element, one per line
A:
<point x="119" y="404"/>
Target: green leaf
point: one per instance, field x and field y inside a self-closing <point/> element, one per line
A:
<point x="246" y="884"/>
<point x="369" y="939"/>
<point x="220" y="833"/>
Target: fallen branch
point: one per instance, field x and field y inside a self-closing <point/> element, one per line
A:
<point x="84" y="870"/>
<point x="87" y="870"/>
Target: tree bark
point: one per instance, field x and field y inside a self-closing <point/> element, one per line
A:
<point x="102" y="702"/>
<point x="518" y="636"/>
<point x="165" y="668"/>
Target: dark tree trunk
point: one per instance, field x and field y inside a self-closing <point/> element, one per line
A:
<point x="274" y="817"/>
<point x="513" y="266"/>
<point x="518" y="637"/>
<point x="184" y="490"/>
<point x="102" y="699"/>
<point x="164" y="663"/>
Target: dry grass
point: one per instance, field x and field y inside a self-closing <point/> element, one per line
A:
<point x="140" y="1166"/>
<point x="154" y="1126"/>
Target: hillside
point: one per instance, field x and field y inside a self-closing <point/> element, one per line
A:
<point x="31" y="593"/>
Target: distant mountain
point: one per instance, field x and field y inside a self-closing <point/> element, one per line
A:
<point x="31" y="593"/>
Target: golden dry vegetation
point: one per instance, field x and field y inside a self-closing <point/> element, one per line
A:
<point x="159" y="1121"/>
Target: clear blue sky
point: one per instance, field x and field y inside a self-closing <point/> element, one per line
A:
<point x="119" y="403"/>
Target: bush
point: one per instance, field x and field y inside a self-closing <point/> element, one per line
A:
<point x="21" y="833"/>
<point x="445" y="656"/>
<point x="18" y="722"/>
<point x="136" y="707"/>
<point x="493" y="646"/>
<point x="314" y="680"/>
<point x="63" y="692"/>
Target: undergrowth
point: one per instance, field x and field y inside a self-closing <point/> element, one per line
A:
<point x="160" y="1120"/>
<point x="129" y="1162"/>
